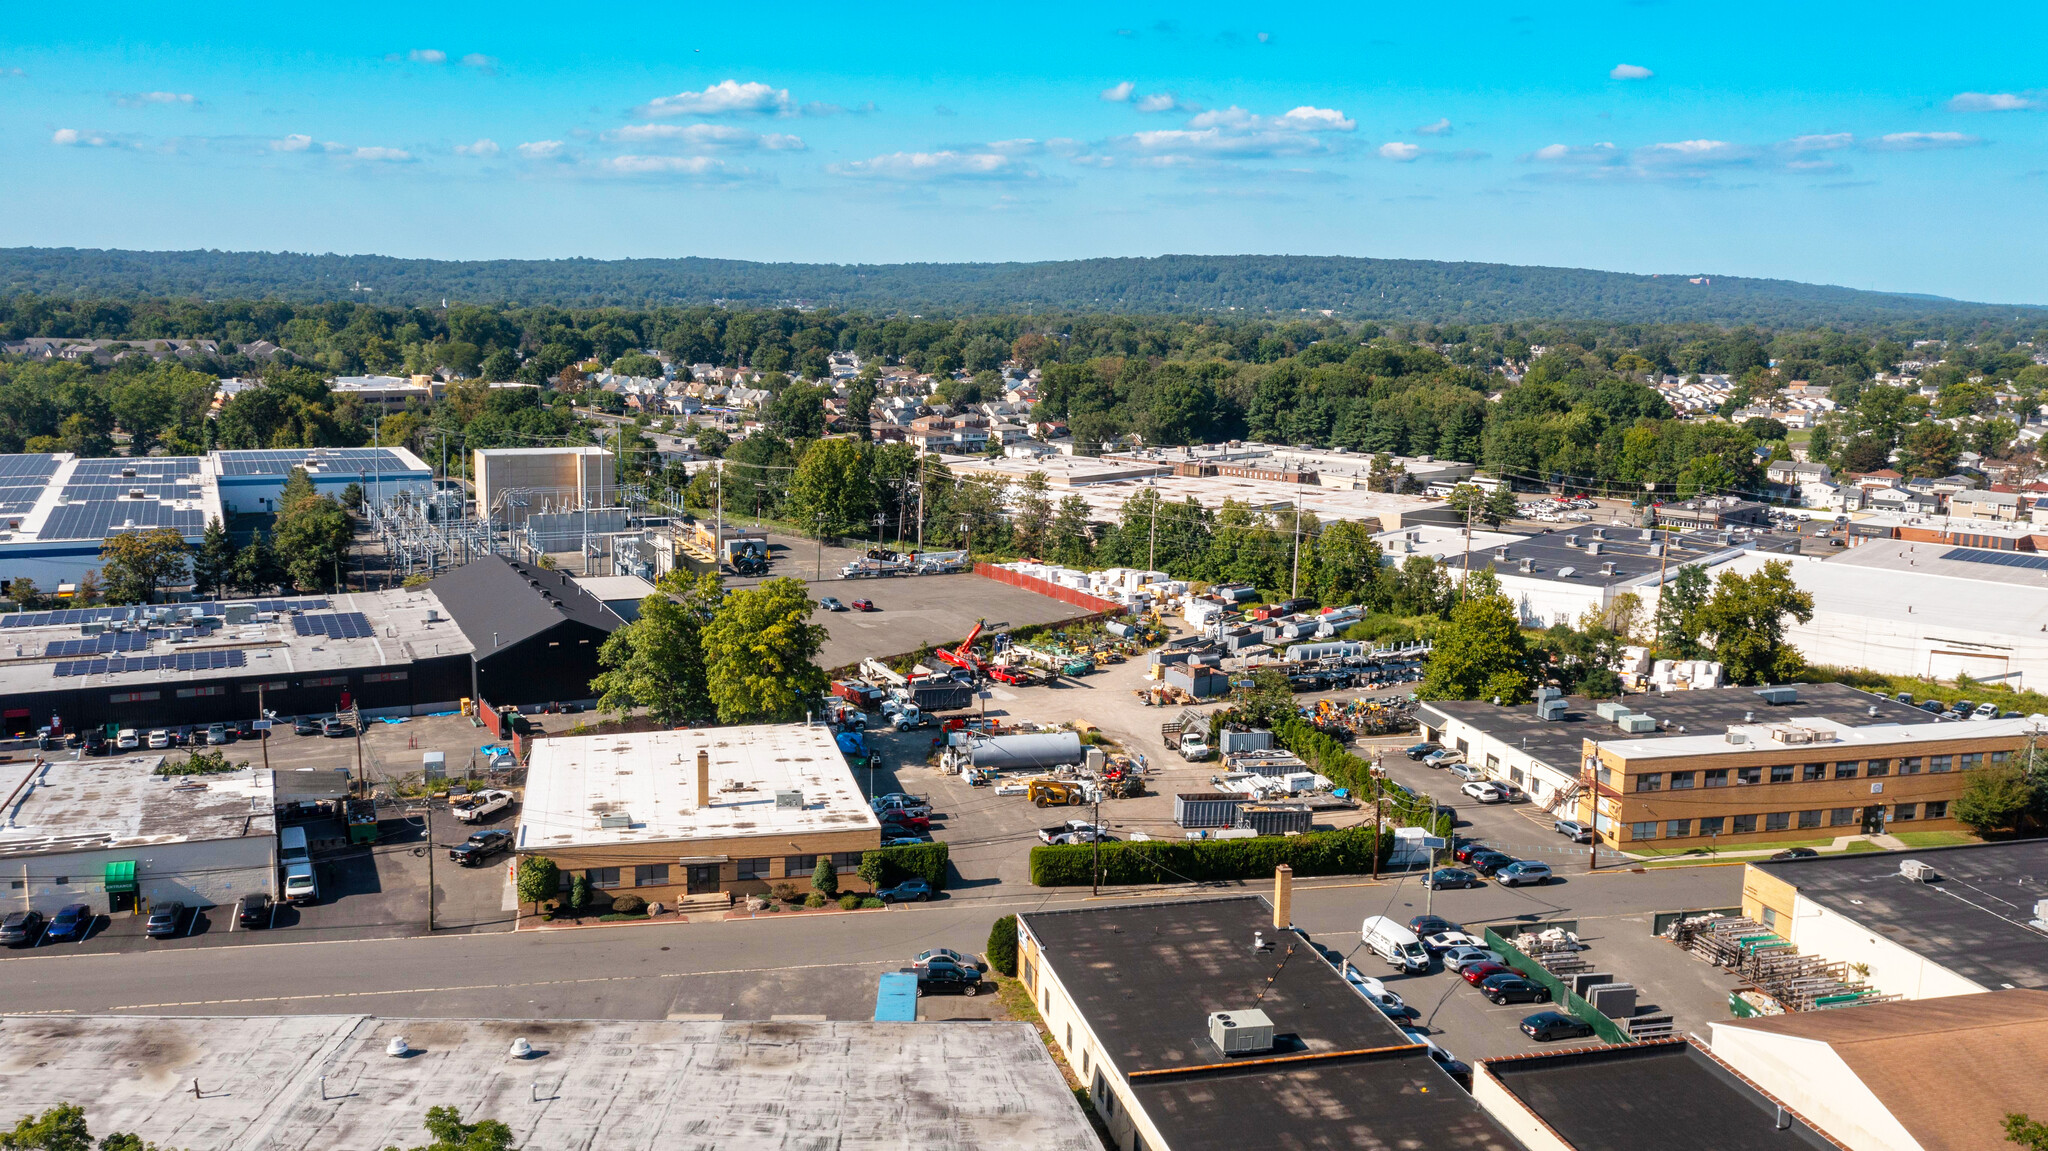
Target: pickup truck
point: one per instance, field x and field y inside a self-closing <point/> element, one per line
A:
<point x="1062" y="832"/>
<point x="481" y="804"/>
<point x="1014" y="675"/>
<point x="480" y="846"/>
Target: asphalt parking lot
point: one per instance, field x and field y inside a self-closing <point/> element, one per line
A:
<point x="915" y="610"/>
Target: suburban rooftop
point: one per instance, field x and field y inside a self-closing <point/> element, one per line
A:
<point x="767" y="780"/>
<point x="71" y="805"/>
<point x="297" y="1081"/>
<point x="1972" y="920"/>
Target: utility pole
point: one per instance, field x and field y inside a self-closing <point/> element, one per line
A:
<point x="262" y="714"/>
<point x="1294" y="589"/>
<point x="718" y="542"/>
<point x="1469" y="508"/>
<point x="1378" y="828"/>
<point x="1095" y="842"/>
<point x="1152" y="539"/>
<point x="920" y="499"/>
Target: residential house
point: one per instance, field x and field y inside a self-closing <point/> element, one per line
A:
<point x="1984" y="505"/>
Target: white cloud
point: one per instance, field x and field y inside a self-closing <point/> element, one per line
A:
<point x="1996" y="102"/>
<point x="723" y="136"/>
<point x="483" y="147"/>
<point x="1095" y="161"/>
<point x="1921" y="141"/>
<point x="1235" y="132"/>
<point x="1602" y="153"/>
<point x="541" y="149"/>
<point x="1826" y="142"/>
<point x="1691" y="149"/>
<point x="145" y="99"/>
<point x="1629" y="72"/>
<point x="700" y="168"/>
<point x="945" y="165"/>
<point x="427" y="56"/>
<point x="294" y="143"/>
<point x="480" y="62"/>
<point x="725" y="98"/>
<point x="1158" y="102"/>
<point x="381" y="155"/>
<point x="367" y="153"/>
<point x="1119" y="93"/>
<point x="1440" y="128"/>
<point x="73" y="138"/>
<point x="1399" y="151"/>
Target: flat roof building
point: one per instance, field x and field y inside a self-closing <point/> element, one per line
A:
<point x="1557" y="577"/>
<point x="287" y="1082"/>
<point x="1976" y="925"/>
<point x="1128" y="993"/>
<point x="1669" y="1094"/>
<point x="1736" y="765"/>
<point x="534" y="632"/>
<point x="114" y="835"/>
<point x="710" y="812"/>
<point x="1929" y="1075"/>
<point x="1711" y="512"/>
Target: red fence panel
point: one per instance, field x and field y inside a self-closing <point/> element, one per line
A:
<point x="1047" y="588"/>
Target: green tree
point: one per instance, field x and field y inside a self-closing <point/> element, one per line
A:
<point x="213" y="565"/>
<point x="825" y="878"/>
<point x="860" y="406"/>
<point x="1002" y="945"/>
<point x="2030" y="1134"/>
<point x="1999" y="802"/>
<point x="257" y="569"/>
<point x="1501" y="504"/>
<point x="797" y="412"/>
<point x="712" y="442"/>
<point x="832" y="491"/>
<point x="1348" y="568"/>
<point x="540" y="879"/>
<point x="312" y="534"/>
<point x="1479" y="652"/>
<point x="1071" y="534"/>
<point x="452" y="1134"/>
<point x="759" y="647"/>
<point x="137" y="565"/>
<point x="26" y="595"/>
<point x="1744" y="620"/>
<point x="61" y="1128"/>
<point x="657" y="661"/>
<point x="1472" y="503"/>
<point x="1031" y="518"/>
<point x="1677" y="621"/>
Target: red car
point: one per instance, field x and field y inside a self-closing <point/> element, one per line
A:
<point x="1477" y="972"/>
<point x="913" y="824"/>
<point x="863" y="605"/>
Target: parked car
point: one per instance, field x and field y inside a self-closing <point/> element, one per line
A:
<point x="255" y="910"/>
<point x="216" y="735"/>
<point x="1512" y="793"/>
<point x="1466" y="850"/>
<point x="1477" y="973"/>
<point x="1484" y="792"/>
<point x="1442" y="757"/>
<point x="904" y="823"/>
<point x="129" y="739"/>
<point x="1904" y="697"/>
<point x="1431" y="925"/>
<point x="21" y="928"/>
<point x="73" y="922"/>
<point x="305" y="725"/>
<point x="1459" y="958"/>
<point x="480" y="846"/>
<point x="1451" y="878"/>
<point x="159" y="739"/>
<point x="907" y="804"/>
<point x="1547" y="1025"/>
<point x="947" y="955"/>
<point x="1443" y="941"/>
<point x="1390" y="1004"/>
<point x="335" y="727"/>
<point x="247" y="729"/>
<point x="831" y="603"/>
<point x="1573" y="830"/>
<point x="1506" y="988"/>
<point x="906" y="840"/>
<point x="863" y="605"/>
<point x="944" y="978"/>
<point x="1933" y="705"/>
<point x="96" y="742"/>
<point x="165" y="919"/>
<point x="1420" y="750"/>
<point x="1489" y="862"/>
<point x="908" y="891"/>
<point x="1522" y="872"/>
<point x="1466" y="772"/>
<point x="899" y="799"/>
<point x="1985" y="711"/>
<point x="1796" y="853"/>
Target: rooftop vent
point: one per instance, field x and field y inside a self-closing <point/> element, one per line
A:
<point x="1779" y="696"/>
<point x="1567" y="572"/>
<point x="1593" y="548"/>
<point x="1917" y="871"/>
<point x="1247" y="1032"/>
<point x="1528" y="565"/>
<point x="1500" y="553"/>
<point x="1735" y="736"/>
<point x="1550" y="710"/>
<point x="1608" y="568"/>
<point x="615" y="820"/>
<point x="789" y="801"/>
<point x="1572" y="540"/>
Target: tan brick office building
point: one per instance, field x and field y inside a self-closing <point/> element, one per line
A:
<point x="1787" y="775"/>
<point x="706" y="811"/>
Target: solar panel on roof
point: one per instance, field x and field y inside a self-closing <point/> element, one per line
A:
<point x="2030" y="560"/>
<point x="180" y="661"/>
<point x="339" y="625"/>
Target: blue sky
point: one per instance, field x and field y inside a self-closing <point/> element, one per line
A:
<point x="1868" y="145"/>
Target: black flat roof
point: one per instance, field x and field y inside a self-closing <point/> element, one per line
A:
<point x="1972" y="920"/>
<point x="1669" y="1095"/>
<point x="1559" y="742"/>
<point x="1147" y="976"/>
<point x="1554" y="551"/>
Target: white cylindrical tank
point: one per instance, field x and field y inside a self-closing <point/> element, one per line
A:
<point x="1026" y="752"/>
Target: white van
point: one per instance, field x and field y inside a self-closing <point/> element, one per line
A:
<point x="299" y="885"/>
<point x="1395" y="944"/>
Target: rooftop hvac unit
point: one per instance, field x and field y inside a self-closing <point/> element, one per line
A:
<point x="1528" y="565"/>
<point x="1917" y="871"/>
<point x="1550" y="710"/>
<point x="1611" y="710"/>
<point x="1245" y="1032"/>
<point x="1549" y="693"/>
<point x="1636" y="724"/>
<point x="1735" y="736"/>
<point x="2041" y="914"/>
<point x="615" y="820"/>
<point x="1778" y="696"/>
<point x="789" y="801"/>
<point x="1593" y="548"/>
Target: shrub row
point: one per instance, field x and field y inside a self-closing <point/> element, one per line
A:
<point x="1344" y="852"/>
<point x="1322" y="752"/>
<point x="889" y="866"/>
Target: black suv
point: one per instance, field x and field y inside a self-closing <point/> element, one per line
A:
<point x="305" y="725"/>
<point x="255" y="910"/>
<point x="937" y="978"/>
<point x="21" y="927"/>
<point x="479" y="847"/>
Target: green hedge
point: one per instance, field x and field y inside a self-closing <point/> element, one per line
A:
<point x="1344" y="852"/>
<point x="889" y="866"/>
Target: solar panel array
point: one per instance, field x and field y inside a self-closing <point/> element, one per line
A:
<point x="330" y="460"/>
<point x="2032" y="560"/>
<point x="339" y="625"/>
<point x="97" y="519"/>
<point x="80" y="615"/>
<point x="22" y="480"/>
<point x="103" y="644"/>
<point x="182" y="661"/>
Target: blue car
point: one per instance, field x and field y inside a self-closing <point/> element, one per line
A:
<point x="908" y="891"/>
<point x="74" y="922"/>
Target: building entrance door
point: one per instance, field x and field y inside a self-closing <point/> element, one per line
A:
<point x="703" y="878"/>
<point x="1873" y="819"/>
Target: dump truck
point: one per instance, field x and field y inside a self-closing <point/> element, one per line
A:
<point x="936" y="695"/>
<point x="864" y="696"/>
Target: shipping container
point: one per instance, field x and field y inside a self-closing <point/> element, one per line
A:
<point x="1274" y="818"/>
<point x="1206" y="809"/>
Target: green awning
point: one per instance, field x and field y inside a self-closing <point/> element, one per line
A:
<point x="121" y="877"/>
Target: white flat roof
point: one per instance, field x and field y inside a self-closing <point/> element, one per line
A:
<point x="1852" y="740"/>
<point x="77" y="804"/>
<point x="650" y="778"/>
